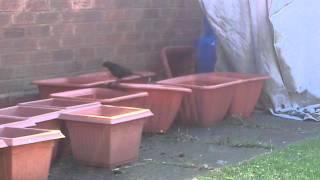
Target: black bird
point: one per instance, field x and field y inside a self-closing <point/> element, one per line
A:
<point x="117" y="70"/>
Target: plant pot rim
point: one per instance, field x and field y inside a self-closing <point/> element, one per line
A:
<point x="54" y="114"/>
<point x="85" y="103"/>
<point x="42" y="135"/>
<point x="228" y="81"/>
<point x="242" y="76"/>
<point x="160" y="87"/>
<point x="17" y="122"/>
<point x="63" y="81"/>
<point x="66" y="95"/>
<point x="71" y="115"/>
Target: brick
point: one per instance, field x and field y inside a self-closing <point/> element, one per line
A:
<point x="38" y="31"/>
<point x="5" y="19"/>
<point x="62" y="29"/>
<point x="47" y="18"/>
<point x="6" y="73"/>
<point x="82" y="16"/>
<point x="105" y="27"/>
<point x="49" y="43"/>
<point x="39" y="57"/>
<point x="105" y="52"/>
<point x="25" y="44"/>
<point x="18" y="59"/>
<point x="126" y="26"/>
<point x="60" y="5"/>
<point x="37" y="5"/>
<point x="86" y="28"/>
<point x="11" y="5"/>
<point x="151" y="13"/>
<point x="82" y="4"/>
<point x="71" y="41"/>
<point x="24" y="18"/>
<point x="84" y="53"/>
<point x="63" y="55"/>
<point x="14" y="32"/>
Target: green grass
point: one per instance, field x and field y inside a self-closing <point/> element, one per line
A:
<point x="299" y="161"/>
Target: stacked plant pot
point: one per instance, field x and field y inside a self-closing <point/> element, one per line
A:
<point x="26" y="153"/>
<point x="63" y="148"/>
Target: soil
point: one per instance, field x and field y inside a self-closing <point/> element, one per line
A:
<point x="186" y="152"/>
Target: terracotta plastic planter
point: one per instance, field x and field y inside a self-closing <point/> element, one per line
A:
<point x="106" y="136"/>
<point x="164" y="102"/>
<point x="49" y="86"/>
<point x="60" y="104"/>
<point x="15" y="122"/>
<point x="210" y="99"/>
<point x="26" y="153"/>
<point x="43" y="118"/>
<point x="246" y="94"/>
<point x="178" y="60"/>
<point x="106" y="96"/>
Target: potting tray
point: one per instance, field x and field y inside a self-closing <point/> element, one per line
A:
<point x="30" y="113"/>
<point x="105" y="96"/>
<point x="55" y="103"/>
<point x="164" y="102"/>
<point x="15" y="122"/>
<point x="210" y="99"/>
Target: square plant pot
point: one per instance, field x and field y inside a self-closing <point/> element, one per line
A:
<point x="164" y="102"/>
<point x="26" y="153"/>
<point x="43" y="118"/>
<point x="210" y="99"/>
<point x="60" y="104"/>
<point x="15" y="122"/>
<point x="246" y="94"/>
<point x="106" y="136"/>
<point x="55" y="85"/>
<point x="106" y="96"/>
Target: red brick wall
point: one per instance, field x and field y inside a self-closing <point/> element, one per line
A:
<point x="51" y="38"/>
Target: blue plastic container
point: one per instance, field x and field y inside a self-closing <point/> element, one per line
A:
<point x="206" y="49"/>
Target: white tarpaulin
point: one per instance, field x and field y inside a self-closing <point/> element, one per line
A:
<point x="280" y="38"/>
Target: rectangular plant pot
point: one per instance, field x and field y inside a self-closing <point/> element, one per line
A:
<point x="210" y="99"/>
<point x="164" y="102"/>
<point x="15" y="122"/>
<point x="43" y="118"/>
<point x="60" y="104"/>
<point x="55" y="85"/>
<point x="106" y="96"/>
<point x="106" y="136"/>
<point x="246" y="94"/>
<point x="26" y="153"/>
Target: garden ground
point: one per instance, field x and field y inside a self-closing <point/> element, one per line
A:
<point x="185" y="152"/>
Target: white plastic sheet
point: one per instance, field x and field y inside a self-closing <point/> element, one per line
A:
<point x="278" y="38"/>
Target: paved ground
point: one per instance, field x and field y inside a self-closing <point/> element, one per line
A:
<point x="187" y="152"/>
